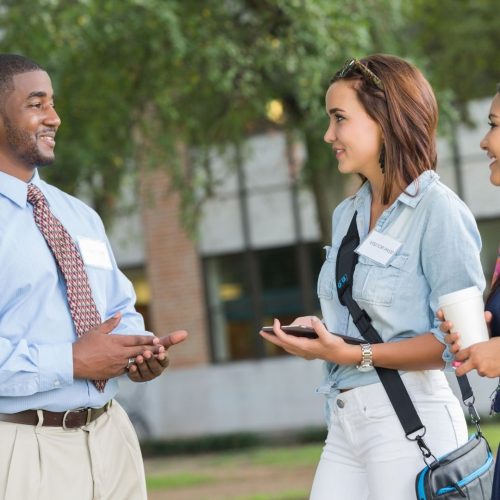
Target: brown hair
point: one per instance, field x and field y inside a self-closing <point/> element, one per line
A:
<point x="406" y="110"/>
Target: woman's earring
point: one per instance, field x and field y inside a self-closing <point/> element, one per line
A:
<point x="381" y="159"/>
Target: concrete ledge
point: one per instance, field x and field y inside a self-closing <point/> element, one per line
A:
<point x="272" y="395"/>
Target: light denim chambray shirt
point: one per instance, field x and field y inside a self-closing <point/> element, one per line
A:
<point x="439" y="254"/>
<point x="36" y="328"/>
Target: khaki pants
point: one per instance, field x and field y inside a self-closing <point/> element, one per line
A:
<point x="101" y="461"/>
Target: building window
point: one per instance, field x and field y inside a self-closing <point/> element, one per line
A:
<point x="247" y="290"/>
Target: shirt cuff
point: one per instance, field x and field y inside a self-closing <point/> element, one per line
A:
<point x="55" y="364"/>
<point x="447" y="354"/>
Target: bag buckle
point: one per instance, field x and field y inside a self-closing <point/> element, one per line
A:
<point x="474" y="416"/>
<point x="424" y="449"/>
<point x="429" y="459"/>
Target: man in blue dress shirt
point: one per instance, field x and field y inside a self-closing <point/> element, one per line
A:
<point x="61" y="437"/>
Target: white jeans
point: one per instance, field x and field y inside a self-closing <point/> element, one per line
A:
<point x="367" y="456"/>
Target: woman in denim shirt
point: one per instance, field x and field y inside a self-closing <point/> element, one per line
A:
<point x="485" y="356"/>
<point x="383" y="119"/>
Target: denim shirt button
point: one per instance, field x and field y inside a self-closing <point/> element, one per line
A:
<point x="340" y="403"/>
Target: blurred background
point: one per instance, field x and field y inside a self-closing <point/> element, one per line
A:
<point x="195" y="129"/>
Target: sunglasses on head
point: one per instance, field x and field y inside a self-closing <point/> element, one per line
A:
<point x="355" y="65"/>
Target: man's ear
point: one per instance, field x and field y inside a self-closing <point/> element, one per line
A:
<point x="2" y="125"/>
<point x="2" y="110"/>
<point x="2" y="119"/>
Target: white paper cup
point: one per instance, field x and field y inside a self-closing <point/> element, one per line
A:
<point x="465" y="309"/>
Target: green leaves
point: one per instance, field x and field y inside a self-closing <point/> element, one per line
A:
<point x="135" y="78"/>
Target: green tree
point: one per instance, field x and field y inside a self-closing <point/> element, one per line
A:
<point x="459" y="41"/>
<point x="135" y="78"/>
<point x="183" y="71"/>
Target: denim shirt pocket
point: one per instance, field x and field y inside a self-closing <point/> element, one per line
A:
<point x="326" y="279"/>
<point x="375" y="283"/>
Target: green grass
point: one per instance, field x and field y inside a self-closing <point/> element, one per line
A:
<point x="274" y="456"/>
<point x="180" y="480"/>
<point x="298" y="455"/>
<point x="286" y="495"/>
<point x="287" y="456"/>
<point x="203" y="444"/>
<point x="491" y="432"/>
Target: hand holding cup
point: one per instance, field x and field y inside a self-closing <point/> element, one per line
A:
<point x="465" y="310"/>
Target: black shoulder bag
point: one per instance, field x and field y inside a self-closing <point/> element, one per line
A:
<point x="466" y="472"/>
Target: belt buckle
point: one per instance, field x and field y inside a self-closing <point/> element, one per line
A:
<point x="77" y="410"/>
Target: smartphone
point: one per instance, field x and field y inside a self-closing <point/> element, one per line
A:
<point x="308" y="332"/>
<point x="295" y="330"/>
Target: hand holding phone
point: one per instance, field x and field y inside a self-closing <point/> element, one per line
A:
<point x="295" y="330"/>
<point x="309" y="332"/>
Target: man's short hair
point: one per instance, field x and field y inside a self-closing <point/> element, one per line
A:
<point x="14" y="64"/>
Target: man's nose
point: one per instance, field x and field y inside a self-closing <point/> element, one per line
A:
<point x="52" y="118"/>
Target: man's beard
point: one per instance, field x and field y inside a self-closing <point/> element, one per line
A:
<point x="23" y="145"/>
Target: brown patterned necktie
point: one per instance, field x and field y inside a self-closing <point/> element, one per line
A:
<point x="81" y="303"/>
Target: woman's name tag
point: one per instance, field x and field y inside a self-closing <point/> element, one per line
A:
<point x="379" y="247"/>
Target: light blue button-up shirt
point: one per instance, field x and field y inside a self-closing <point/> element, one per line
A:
<point x="36" y="328"/>
<point x="439" y="254"/>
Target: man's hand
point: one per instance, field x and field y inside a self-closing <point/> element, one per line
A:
<point x="98" y="355"/>
<point x="148" y="366"/>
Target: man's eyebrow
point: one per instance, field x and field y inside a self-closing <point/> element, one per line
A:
<point x="37" y="93"/>
<point x="492" y="115"/>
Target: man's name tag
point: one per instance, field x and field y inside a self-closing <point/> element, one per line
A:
<point x="379" y="247"/>
<point x="95" y="253"/>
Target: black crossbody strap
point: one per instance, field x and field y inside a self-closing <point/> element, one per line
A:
<point x="391" y="380"/>
<point x="347" y="259"/>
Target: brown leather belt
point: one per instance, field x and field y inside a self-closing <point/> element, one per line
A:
<point x="70" y="419"/>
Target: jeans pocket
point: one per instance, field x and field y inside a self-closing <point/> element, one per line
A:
<point x="380" y="412"/>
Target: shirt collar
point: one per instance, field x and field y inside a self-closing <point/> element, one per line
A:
<point x="412" y="194"/>
<point x="17" y="190"/>
<point x="364" y="192"/>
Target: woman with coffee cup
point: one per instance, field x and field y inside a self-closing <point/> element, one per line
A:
<point x="484" y="356"/>
<point x="382" y="125"/>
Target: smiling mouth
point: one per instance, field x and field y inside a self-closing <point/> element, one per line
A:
<point x="48" y="139"/>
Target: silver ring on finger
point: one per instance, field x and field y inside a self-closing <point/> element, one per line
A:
<point x="130" y="362"/>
